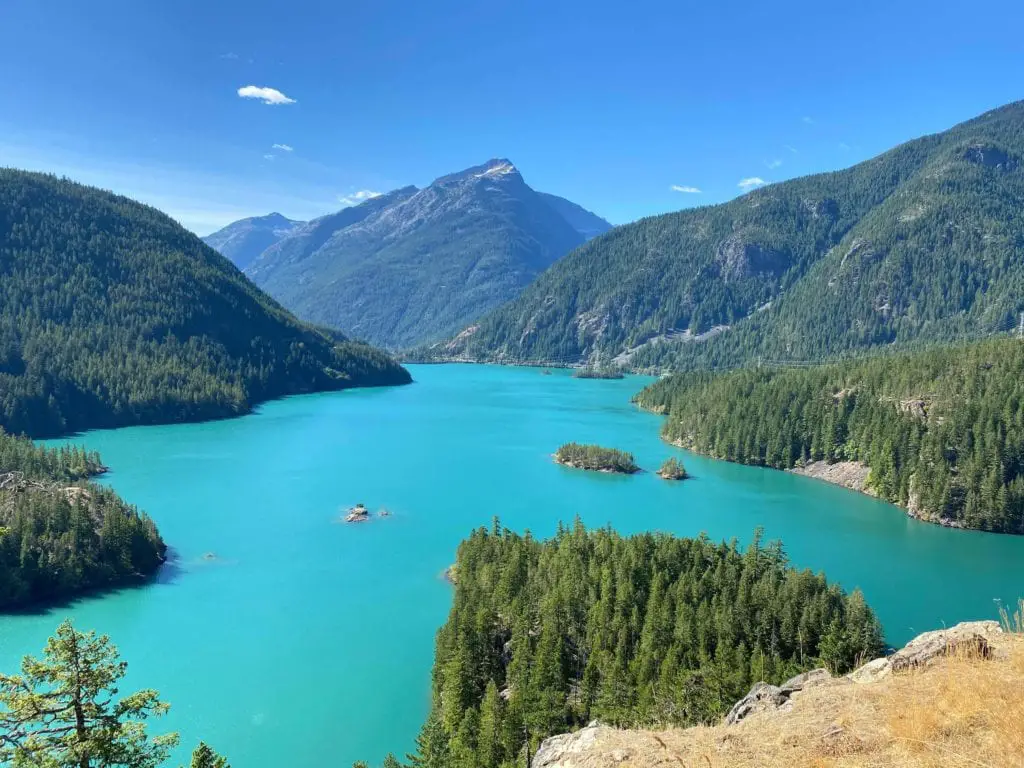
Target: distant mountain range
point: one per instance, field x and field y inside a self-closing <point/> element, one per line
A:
<point x="924" y="242"/>
<point x="413" y="265"/>
<point x="113" y="314"/>
<point x="244" y="240"/>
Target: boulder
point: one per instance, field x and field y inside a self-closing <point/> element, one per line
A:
<point x="559" y="751"/>
<point x="764" y="697"/>
<point x="969" y="636"/>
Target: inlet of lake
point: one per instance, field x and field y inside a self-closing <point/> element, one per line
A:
<point x="283" y="637"/>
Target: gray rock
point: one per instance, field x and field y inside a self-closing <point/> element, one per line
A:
<point x="974" y="636"/>
<point x="560" y="751"/>
<point x="764" y="697"/>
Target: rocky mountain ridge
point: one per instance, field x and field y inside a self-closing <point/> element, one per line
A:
<point x="414" y="265"/>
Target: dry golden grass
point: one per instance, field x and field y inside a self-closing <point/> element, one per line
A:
<point x="962" y="710"/>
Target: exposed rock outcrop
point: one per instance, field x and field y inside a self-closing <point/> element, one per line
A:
<point x="560" y="751"/>
<point x="974" y="637"/>
<point x="767" y="697"/>
<point x="849" y="474"/>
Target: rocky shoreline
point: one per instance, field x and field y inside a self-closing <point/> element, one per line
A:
<point x="848" y="474"/>
<point x="852" y="475"/>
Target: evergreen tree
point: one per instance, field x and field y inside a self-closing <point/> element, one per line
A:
<point x="61" y="711"/>
<point x="204" y="757"/>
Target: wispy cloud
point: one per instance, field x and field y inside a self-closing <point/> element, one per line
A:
<point x="686" y="190"/>
<point x="772" y="164"/>
<point x="194" y="196"/>
<point x="843" y="146"/>
<point x="750" y="183"/>
<point x="358" y="197"/>
<point x="229" y="55"/>
<point x="808" y="120"/>
<point x="268" y="157"/>
<point x="283" y="147"/>
<point x="264" y="94"/>
<point x="792" y="149"/>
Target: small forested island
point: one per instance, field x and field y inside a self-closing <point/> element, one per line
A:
<point x="596" y="458"/>
<point x="544" y="637"/>
<point x="60" y="535"/>
<point x="598" y="373"/>
<point x="939" y="431"/>
<point x="672" y="469"/>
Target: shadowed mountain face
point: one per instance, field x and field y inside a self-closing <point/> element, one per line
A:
<point x="923" y="242"/>
<point x="244" y="240"/>
<point x="588" y="224"/>
<point x="415" y="265"/>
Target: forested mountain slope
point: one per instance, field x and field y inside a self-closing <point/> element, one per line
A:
<point x="417" y="264"/>
<point x="113" y="314"/>
<point x="922" y="242"/>
<point x="242" y="241"/>
<point x="942" y="430"/>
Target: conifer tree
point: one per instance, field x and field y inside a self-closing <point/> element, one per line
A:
<point x="204" y="757"/>
<point x="61" y="711"/>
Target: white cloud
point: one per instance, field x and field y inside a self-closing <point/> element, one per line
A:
<point x="358" y="197"/>
<point x="283" y="147"/>
<point x="843" y="146"/>
<point x="772" y="164"/>
<point x="791" y="148"/>
<point x="229" y="55"/>
<point x="268" y="157"/>
<point x="266" y="95"/>
<point x="687" y="190"/>
<point x="808" y="120"/>
<point x="749" y="183"/>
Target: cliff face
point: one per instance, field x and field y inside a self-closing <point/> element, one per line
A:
<point x="950" y="697"/>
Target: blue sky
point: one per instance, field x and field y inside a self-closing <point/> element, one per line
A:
<point x="609" y="104"/>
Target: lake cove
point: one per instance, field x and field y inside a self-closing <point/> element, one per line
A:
<point x="283" y="636"/>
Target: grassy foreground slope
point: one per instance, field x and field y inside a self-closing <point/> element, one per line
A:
<point x="113" y="314"/>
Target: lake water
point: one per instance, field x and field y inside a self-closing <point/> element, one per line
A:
<point x="307" y="642"/>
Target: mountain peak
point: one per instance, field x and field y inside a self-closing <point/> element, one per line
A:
<point x="495" y="168"/>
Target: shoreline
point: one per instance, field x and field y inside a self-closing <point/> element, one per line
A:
<point x="851" y="475"/>
<point x="250" y="409"/>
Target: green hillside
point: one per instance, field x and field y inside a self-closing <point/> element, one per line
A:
<point x="942" y="430"/>
<point x="922" y="242"/>
<point x="113" y="314"/>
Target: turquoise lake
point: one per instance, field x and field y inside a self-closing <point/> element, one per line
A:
<point x="308" y="642"/>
